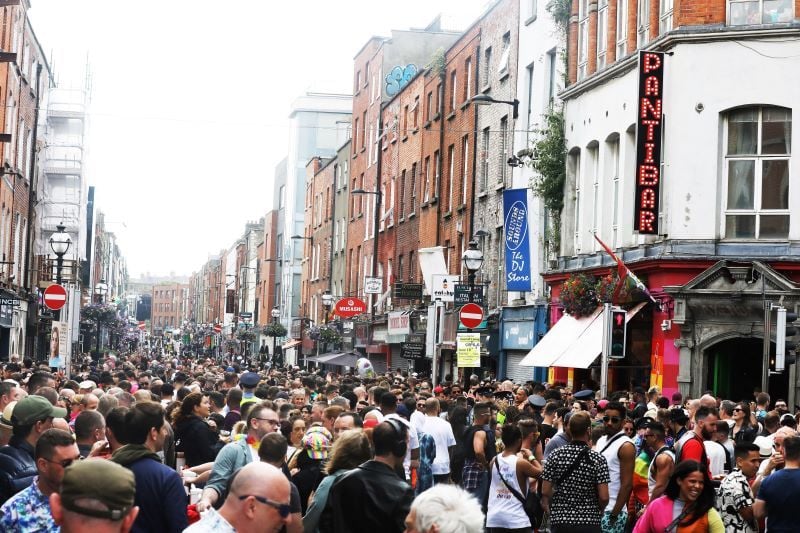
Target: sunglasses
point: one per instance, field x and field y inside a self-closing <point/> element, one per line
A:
<point x="737" y="409"/>
<point x="612" y="419"/>
<point x="65" y="463"/>
<point x="283" y="508"/>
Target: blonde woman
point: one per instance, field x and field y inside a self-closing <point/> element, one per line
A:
<point x="349" y="450"/>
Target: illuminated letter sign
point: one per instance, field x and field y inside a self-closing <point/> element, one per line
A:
<point x="649" y="121"/>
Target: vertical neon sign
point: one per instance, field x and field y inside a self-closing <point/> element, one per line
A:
<point x="649" y="121"/>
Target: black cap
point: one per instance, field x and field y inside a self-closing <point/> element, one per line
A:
<point x="249" y="380"/>
<point x="536" y="401"/>
<point x="504" y="395"/>
<point x="486" y="392"/>
<point x="585" y="394"/>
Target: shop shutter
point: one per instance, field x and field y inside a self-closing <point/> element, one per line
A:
<point x="515" y="372"/>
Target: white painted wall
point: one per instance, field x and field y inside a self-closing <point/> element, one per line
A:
<point x="537" y="36"/>
<point x="720" y="75"/>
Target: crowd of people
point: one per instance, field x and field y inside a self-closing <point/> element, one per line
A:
<point x="153" y="444"/>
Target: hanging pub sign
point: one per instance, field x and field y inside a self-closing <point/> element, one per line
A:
<point x="649" y="122"/>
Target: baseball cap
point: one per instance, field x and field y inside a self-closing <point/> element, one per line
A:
<point x="88" y="384"/>
<point x="764" y="446"/>
<point x="33" y="408"/>
<point x="100" y="480"/>
<point x="5" y="419"/>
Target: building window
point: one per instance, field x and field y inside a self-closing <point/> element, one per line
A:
<point x="665" y="16"/>
<point x="613" y="170"/>
<point x="429" y="107"/>
<point x="464" y="168"/>
<point x="355" y="133"/>
<point x="468" y="83"/>
<point x="400" y="266"/>
<point x="533" y="6"/>
<point x="602" y="33"/>
<point x="402" y="213"/>
<point x="574" y="174"/>
<point x="484" y="159"/>
<point x="439" y="98"/>
<point x="551" y="75"/>
<point x="416" y="112"/>
<point x="453" y="90"/>
<point x="412" y="208"/>
<point x="642" y="23"/>
<point x="412" y="267"/>
<point x="404" y="124"/>
<point x="358" y="82"/>
<point x="364" y="126"/>
<point x="505" y="58"/>
<point x="529" y="96"/>
<point x="437" y="163"/>
<point x="759" y="12"/>
<point x="451" y="157"/>
<point x="426" y="169"/>
<point x="592" y="166"/>
<point x="487" y="68"/>
<point x="501" y="175"/>
<point x="622" y="28"/>
<point x="757" y="165"/>
<point x="583" y="38"/>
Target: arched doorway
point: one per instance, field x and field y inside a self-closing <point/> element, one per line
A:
<point x="734" y="370"/>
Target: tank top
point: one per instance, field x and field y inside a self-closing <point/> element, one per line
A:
<point x="504" y="509"/>
<point x="651" y="478"/>
<point x="610" y="452"/>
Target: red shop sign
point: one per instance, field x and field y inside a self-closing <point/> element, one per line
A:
<point x="350" y="307"/>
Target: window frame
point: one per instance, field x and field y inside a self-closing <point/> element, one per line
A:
<point x="760" y="12"/>
<point x="758" y="159"/>
<point x="602" y="33"/>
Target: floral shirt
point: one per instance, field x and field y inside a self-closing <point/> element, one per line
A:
<point x="575" y="499"/>
<point x="733" y="494"/>
<point x="28" y="510"/>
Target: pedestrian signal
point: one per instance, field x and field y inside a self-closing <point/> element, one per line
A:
<point x="618" y="318"/>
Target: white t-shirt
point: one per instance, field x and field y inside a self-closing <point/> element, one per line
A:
<point x="413" y="441"/>
<point x="417" y="420"/>
<point x="442" y="433"/>
<point x="716" y="457"/>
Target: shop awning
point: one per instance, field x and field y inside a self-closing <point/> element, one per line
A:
<point x="334" y="358"/>
<point x="586" y="348"/>
<point x="291" y="344"/>
<point x="558" y="339"/>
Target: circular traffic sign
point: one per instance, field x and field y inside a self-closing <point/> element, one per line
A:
<point x="471" y="315"/>
<point x="55" y="297"/>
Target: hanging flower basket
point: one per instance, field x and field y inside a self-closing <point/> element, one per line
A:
<point x="231" y="344"/>
<point x="605" y="287"/>
<point x="579" y="295"/>
<point x="329" y="335"/>
<point x="246" y="336"/>
<point x="276" y="329"/>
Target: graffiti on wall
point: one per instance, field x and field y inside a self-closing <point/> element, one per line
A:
<point x="399" y="78"/>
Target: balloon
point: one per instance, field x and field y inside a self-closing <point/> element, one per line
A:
<point x="364" y="368"/>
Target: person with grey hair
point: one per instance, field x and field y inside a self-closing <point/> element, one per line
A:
<point x="445" y="509"/>
<point x="106" y="403"/>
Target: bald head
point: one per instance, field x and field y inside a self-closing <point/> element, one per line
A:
<point x="255" y="478"/>
<point x="709" y="401"/>
<point x="432" y="406"/>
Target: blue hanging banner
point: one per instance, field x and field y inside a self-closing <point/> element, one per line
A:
<point x="517" y="245"/>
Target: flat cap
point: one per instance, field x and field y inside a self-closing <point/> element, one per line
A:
<point x="249" y="380"/>
<point x="585" y="394"/>
<point x="536" y="400"/>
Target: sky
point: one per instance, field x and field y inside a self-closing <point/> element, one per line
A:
<point x="190" y="100"/>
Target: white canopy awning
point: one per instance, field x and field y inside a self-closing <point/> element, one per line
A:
<point x="556" y="341"/>
<point x="585" y="349"/>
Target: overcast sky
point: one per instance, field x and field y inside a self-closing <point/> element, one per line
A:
<point x="190" y="102"/>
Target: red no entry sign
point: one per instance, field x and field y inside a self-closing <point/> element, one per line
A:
<point x="471" y="315"/>
<point x="217" y="328"/>
<point x="55" y="296"/>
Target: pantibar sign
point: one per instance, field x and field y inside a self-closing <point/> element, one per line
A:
<point x="649" y="122"/>
<point x="350" y="307"/>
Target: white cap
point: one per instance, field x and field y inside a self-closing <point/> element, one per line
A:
<point x="88" y="384"/>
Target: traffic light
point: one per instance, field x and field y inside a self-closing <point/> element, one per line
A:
<point x="618" y="318"/>
<point x="784" y="344"/>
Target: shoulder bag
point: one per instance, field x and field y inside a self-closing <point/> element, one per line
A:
<point x="531" y="504"/>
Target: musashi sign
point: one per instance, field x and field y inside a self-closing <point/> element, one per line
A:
<point x="649" y="122"/>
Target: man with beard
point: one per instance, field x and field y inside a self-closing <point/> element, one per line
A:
<point x="705" y="423"/>
<point x="620" y="453"/>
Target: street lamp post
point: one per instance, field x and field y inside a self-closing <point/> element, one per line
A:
<point x="376" y="221"/>
<point x="473" y="261"/>
<point x="485" y="99"/>
<point x="327" y="303"/>
<point x="60" y="241"/>
<point x="276" y="313"/>
<point x="100" y="290"/>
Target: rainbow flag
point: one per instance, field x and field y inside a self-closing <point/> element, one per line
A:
<point x="627" y="279"/>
